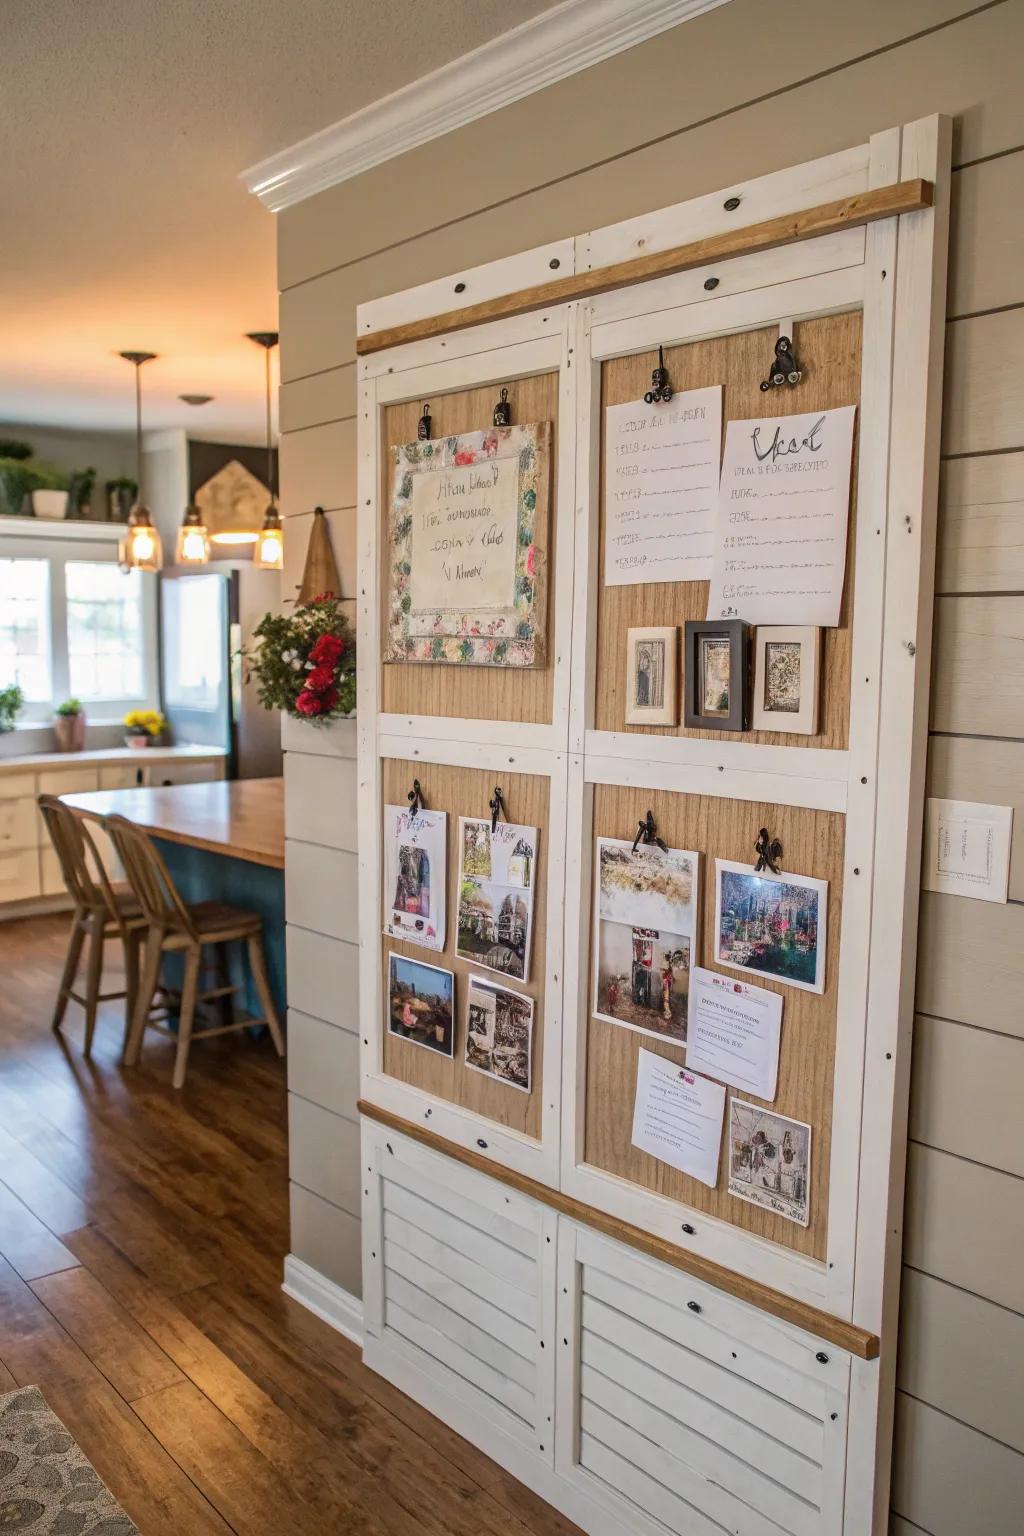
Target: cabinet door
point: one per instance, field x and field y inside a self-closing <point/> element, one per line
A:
<point x="19" y="875"/>
<point x="68" y="781"/>
<point x="184" y="773"/>
<point x="19" y="824"/>
<point x="124" y="776"/>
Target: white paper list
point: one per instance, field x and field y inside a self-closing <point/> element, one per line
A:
<point x="733" y="1032"/>
<point x="780" y="533"/>
<point x="677" y="1117"/>
<point x="661" y="488"/>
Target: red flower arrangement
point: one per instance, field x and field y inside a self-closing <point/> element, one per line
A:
<point x="305" y="662"/>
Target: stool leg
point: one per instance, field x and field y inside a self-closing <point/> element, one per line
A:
<point x="94" y="977"/>
<point x="258" y="964"/>
<point x="188" y="1006"/>
<point x="132" y="938"/>
<point x="76" y="938"/>
<point x="144" y="1000"/>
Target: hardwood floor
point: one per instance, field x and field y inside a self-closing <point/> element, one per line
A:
<point x="142" y="1234"/>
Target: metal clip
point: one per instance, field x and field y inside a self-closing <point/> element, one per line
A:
<point x="497" y="807"/>
<point x="784" y="369"/>
<point x="769" y="851"/>
<point x="503" y="411"/>
<point x="416" y="801"/>
<point x="423" y="427"/>
<point x="646" y="832"/>
<point x="660" y="390"/>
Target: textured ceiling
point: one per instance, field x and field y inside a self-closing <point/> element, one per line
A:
<point x="124" y="126"/>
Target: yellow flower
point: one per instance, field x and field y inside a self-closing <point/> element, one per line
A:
<point x="150" y="721"/>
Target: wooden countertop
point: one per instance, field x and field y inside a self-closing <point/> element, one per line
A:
<point x="240" y="817"/>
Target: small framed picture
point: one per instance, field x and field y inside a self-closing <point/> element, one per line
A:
<point x="787" y="668"/>
<point x="716" y="668"/>
<point x="652" y="689"/>
<point x="421" y="1003"/>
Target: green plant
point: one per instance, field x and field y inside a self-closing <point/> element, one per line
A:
<point x="12" y="700"/>
<point x="14" y="448"/>
<point x="80" y="489"/>
<point x="69" y="707"/>
<point x="304" y="662"/>
<point x="20" y="477"/>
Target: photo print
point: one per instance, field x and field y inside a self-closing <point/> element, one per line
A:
<point x="645" y="936"/>
<point x="771" y="925"/>
<point x="770" y="1161"/>
<point x="497" y="870"/>
<point x="715" y="676"/>
<point x="499" y="1033"/>
<point x="421" y="1004"/>
<point x="415" y="871"/>
<point x="782" y="677"/>
<point x="787" y="663"/>
<point x="651" y="676"/>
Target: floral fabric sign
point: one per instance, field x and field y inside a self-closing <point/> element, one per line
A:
<point x="467" y="539"/>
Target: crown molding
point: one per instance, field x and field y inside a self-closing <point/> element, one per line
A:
<point x="558" y="43"/>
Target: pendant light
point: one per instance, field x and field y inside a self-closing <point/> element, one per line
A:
<point x="193" y="547"/>
<point x="269" y="552"/>
<point x="141" y="549"/>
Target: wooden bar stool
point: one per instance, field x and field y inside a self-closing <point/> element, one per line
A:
<point x="175" y="927"/>
<point x="102" y="911"/>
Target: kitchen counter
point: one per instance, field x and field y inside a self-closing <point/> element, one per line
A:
<point x="241" y="818"/>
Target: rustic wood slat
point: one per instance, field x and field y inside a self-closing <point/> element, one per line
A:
<point x="842" y="213"/>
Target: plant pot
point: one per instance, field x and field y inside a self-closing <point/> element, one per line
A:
<point x="51" y="504"/>
<point x="138" y="743"/>
<point x="70" y="732"/>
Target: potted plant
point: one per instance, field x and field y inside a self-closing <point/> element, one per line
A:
<point x="69" y="726"/>
<point x="305" y="662"/>
<point x="50" y="492"/>
<point x="12" y="700"/>
<point x="16" y="477"/>
<point x="80" y="492"/>
<point x="143" y="728"/>
<point x="121" y="495"/>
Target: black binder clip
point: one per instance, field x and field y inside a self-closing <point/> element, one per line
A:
<point x="784" y="369"/>
<point x="497" y="808"/>
<point x="423" y="427"/>
<point x="660" y="390"/>
<point x="769" y="852"/>
<point x="416" y="801"/>
<point x="646" y="832"/>
<point x="503" y="411"/>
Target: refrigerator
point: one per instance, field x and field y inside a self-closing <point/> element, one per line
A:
<point x="206" y="617"/>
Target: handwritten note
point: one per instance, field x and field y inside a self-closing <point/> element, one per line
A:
<point x="677" y="1117"/>
<point x="784" y="501"/>
<point x="734" y="1031"/>
<point x="464" y="524"/>
<point x="967" y="849"/>
<point x="661" y="488"/>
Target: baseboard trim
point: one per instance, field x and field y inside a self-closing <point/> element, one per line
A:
<point x="323" y="1297"/>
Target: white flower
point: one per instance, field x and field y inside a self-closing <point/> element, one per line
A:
<point x="296" y="665"/>
<point x="287" y="655"/>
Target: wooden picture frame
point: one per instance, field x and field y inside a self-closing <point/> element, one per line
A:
<point x="787" y="678"/>
<point x="652" y="675"/>
<point x="716" y="669"/>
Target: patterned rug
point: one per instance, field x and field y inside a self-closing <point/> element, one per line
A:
<point x="47" y="1488"/>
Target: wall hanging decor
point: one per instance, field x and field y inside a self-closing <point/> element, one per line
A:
<point x="787" y="665"/>
<point x="320" y="572"/>
<point x="467" y="543"/>
<point x="415" y="864"/>
<point x="716" y="673"/>
<point x="652" y="687"/>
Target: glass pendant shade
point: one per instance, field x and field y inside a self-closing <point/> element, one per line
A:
<point x="143" y="550"/>
<point x="193" y="547"/>
<point x="269" y="552"/>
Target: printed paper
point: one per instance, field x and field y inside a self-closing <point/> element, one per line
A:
<point x="967" y="849"/>
<point x="734" y="1032"/>
<point x="783" y="508"/>
<point x="677" y="1117"/>
<point x="415" y="875"/>
<point x="499" y="1033"/>
<point x="770" y="1161"/>
<point x="497" y="871"/>
<point x="661" y="488"/>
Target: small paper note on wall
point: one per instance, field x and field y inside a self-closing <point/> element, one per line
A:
<point x="464" y="536"/>
<point x="783" y="509"/>
<point x="967" y="849"/>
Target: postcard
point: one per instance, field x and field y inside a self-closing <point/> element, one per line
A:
<point x="421" y="1003"/>
<point x="734" y="1032"/>
<point x="770" y="1161"/>
<point x="497" y="871"/>
<point x="415" y="867"/>
<point x="499" y="1033"/>
<point x="967" y="849"/>
<point x="677" y="1117"/>
<point x="771" y="925"/>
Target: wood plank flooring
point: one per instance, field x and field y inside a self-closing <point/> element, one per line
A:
<point x="142" y="1234"/>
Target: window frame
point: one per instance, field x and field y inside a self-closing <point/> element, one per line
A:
<point x="26" y="539"/>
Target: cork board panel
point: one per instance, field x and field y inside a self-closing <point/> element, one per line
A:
<point x="828" y="350"/>
<point x="472" y="692"/>
<point x="465" y="792"/>
<point x="726" y="829"/>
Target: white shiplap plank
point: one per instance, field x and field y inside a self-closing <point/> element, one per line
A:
<point x="984" y="393"/>
<point x="318" y="468"/>
<point x="986" y="257"/>
<point x="323" y="1153"/>
<point x="966" y="1092"/>
<point x="951" y="1480"/>
<point x="320" y="800"/>
<point x="336" y="739"/>
<point x="970" y="961"/>
<point x="314" y="401"/>
<point x="320" y="890"/>
<point x="323" y="977"/>
<point x="323" y="1063"/>
<point x="327" y="1239"/>
<point x="981" y="524"/>
<point x="992" y="772"/>
<point x="964" y="1223"/>
<point x="963" y="1355"/>
<point x="978" y="666"/>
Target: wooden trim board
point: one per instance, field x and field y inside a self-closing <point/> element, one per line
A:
<point x="844" y="213"/>
<point x="857" y="1341"/>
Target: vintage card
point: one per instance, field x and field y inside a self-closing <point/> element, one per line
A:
<point x="734" y="1032"/>
<point x="771" y="925"/>
<point x="967" y="849"/>
<point x="677" y="1117"/>
<point x="497" y="869"/>
<point x="415" y="868"/>
<point x="421" y="1003"/>
<point x="770" y="1161"/>
<point x="499" y="1033"/>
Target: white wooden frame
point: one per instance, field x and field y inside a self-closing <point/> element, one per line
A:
<point x="894" y="272"/>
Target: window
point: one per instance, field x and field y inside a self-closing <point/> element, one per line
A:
<point x="104" y="631"/>
<point x="25" y="627"/>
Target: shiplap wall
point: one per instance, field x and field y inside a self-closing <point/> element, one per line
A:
<point x="729" y="96"/>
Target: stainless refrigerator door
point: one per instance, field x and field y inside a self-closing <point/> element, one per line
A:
<point x="257" y="730"/>
<point x="195" y="610"/>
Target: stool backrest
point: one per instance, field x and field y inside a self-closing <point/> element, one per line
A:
<point x="80" y="864"/>
<point x="148" y="876"/>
